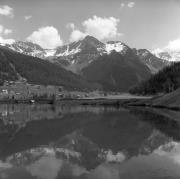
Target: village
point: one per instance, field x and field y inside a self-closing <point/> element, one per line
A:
<point x="21" y="90"/>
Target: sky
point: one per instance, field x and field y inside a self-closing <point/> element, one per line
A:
<point x="150" y="24"/>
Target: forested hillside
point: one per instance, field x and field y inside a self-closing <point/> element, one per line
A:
<point x="165" y="81"/>
<point x="115" y="72"/>
<point x="37" y="71"/>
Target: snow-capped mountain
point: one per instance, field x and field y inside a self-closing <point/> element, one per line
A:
<point x="31" y="49"/>
<point x="168" y="55"/>
<point x="88" y="44"/>
<point x="27" y="48"/>
<point x="151" y="61"/>
<point x="78" y="55"/>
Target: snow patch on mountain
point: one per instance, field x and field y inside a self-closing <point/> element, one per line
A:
<point x="145" y="53"/>
<point x="49" y="52"/>
<point x="68" y="52"/>
<point x="109" y="47"/>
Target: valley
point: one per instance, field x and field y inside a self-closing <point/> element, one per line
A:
<point x="87" y="70"/>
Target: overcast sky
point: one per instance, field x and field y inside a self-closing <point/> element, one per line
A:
<point x="139" y="23"/>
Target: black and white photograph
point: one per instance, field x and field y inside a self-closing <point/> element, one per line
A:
<point x="89" y="89"/>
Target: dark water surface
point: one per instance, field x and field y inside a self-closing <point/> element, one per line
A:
<point x="61" y="142"/>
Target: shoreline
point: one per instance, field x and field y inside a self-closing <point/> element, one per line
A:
<point x="123" y="102"/>
<point x="151" y="105"/>
<point x="81" y="101"/>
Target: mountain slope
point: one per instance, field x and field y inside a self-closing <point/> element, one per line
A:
<point x="165" y="81"/>
<point x="170" y="100"/>
<point x="27" y="48"/>
<point x="7" y="71"/>
<point x="37" y="71"/>
<point x="151" y="61"/>
<point x="116" y="72"/>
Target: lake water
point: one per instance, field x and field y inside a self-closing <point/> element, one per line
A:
<point x="63" y="142"/>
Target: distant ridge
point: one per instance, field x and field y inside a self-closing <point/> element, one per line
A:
<point x="165" y="81"/>
<point x="38" y="71"/>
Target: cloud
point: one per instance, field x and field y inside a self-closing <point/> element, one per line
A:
<point x="76" y="35"/>
<point x="6" y="11"/>
<point x="4" y="31"/>
<point x="6" y="41"/>
<point x="122" y="4"/>
<point x="46" y="167"/>
<point x="7" y="31"/>
<point x="173" y="45"/>
<point x="70" y="26"/>
<point x="131" y="4"/>
<point x="100" y="28"/>
<point x="27" y="17"/>
<point x="47" y="37"/>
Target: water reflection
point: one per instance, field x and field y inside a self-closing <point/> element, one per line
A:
<point x="45" y="142"/>
<point x="21" y="114"/>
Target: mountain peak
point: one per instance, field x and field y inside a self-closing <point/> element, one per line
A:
<point x="92" y="41"/>
<point x="89" y="38"/>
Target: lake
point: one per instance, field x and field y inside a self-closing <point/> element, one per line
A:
<point x="86" y="142"/>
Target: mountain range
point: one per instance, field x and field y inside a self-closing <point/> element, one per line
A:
<point x="77" y="55"/>
<point x="111" y="66"/>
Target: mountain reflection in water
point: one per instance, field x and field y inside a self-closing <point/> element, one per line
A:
<point x="63" y="142"/>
